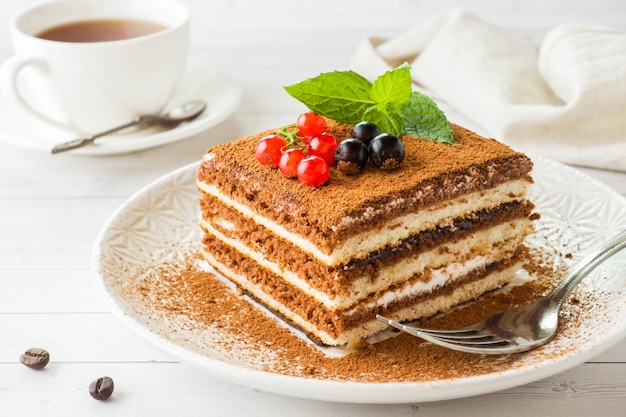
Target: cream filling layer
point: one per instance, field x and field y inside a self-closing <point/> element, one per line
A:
<point x="485" y="246"/>
<point x="462" y="293"/>
<point x="360" y="245"/>
<point x="427" y="308"/>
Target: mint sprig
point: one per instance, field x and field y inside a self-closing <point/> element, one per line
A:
<point x="341" y="96"/>
<point x="423" y="118"/>
<point x="388" y="102"/>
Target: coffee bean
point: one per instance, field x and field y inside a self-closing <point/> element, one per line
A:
<point x="35" y="358"/>
<point x="101" y="388"/>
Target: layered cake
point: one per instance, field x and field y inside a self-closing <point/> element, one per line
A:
<point x="443" y="228"/>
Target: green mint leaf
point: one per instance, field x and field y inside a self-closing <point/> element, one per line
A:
<point x="387" y="117"/>
<point x="393" y="86"/>
<point x="341" y="95"/>
<point x="423" y="118"/>
<point x="389" y="102"/>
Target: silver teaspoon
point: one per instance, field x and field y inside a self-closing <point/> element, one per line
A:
<point x="177" y="115"/>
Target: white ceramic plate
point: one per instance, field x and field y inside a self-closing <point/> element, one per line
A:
<point x="159" y="222"/>
<point x="200" y="81"/>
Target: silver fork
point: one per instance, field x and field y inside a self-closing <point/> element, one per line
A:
<point x="522" y="328"/>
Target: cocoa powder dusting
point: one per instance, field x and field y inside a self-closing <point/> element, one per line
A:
<point x="187" y="293"/>
<point x="431" y="172"/>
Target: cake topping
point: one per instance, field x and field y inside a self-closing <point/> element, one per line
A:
<point x="313" y="171"/>
<point x="293" y="145"/>
<point x="365" y="131"/>
<point x="289" y="161"/>
<point x="311" y="124"/>
<point x="388" y="102"/>
<point x="388" y="105"/>
<point x="292" y="148"/>
<point x="269" y="149"/>
<point x="351" y="156"/>
<point x="386" y="151"/>
<point x="324" y="145"/>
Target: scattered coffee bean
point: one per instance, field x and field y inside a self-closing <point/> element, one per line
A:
<point x="101" y="388"/>
<point x="35" y="358"/>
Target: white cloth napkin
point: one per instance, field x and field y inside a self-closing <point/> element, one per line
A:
<point x="565" y="99"/>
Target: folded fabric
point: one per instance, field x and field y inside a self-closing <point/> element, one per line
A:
<point x="565" y="99"/>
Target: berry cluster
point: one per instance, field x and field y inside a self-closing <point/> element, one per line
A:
<point x="307" y="150"/>
<point x="366" y="142"/>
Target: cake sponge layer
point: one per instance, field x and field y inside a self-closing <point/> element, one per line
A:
<point x="492" y="235"/>
<point x="388" y="233"/>
<point x="347" y="327"/>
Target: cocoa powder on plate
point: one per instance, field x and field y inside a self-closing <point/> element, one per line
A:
<point x="186" y="293"/>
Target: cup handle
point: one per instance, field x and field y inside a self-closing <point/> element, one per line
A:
<point x="9" y="75"/>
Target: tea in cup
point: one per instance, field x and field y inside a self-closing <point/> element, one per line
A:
<point x="88" y="65"/>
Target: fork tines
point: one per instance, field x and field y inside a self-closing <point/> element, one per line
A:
<point x="462" y="339"/>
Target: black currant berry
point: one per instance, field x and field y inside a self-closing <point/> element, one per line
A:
<point x="365" y="131"/>
<point x="351" y="156"/>
<point x="386" y="151"/>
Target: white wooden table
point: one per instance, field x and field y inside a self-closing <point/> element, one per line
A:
<point x="51" y="208"/>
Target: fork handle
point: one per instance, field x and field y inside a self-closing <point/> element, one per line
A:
<point x="586" y="265"/>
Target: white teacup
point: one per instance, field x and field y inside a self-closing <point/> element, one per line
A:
<point x="91" y="86"/>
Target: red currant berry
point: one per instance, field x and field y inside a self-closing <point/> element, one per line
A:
<point x="311" y="124"/>
<point x="313" y="171"/>
<point x="289" y="161"/>
<point x="269" y="149"/>
<point x="324" y="146"/>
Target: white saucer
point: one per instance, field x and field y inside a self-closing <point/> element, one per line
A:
<point x="201" y="81"/>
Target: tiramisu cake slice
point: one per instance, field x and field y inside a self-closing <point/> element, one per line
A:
<point x="444" y="227"/>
